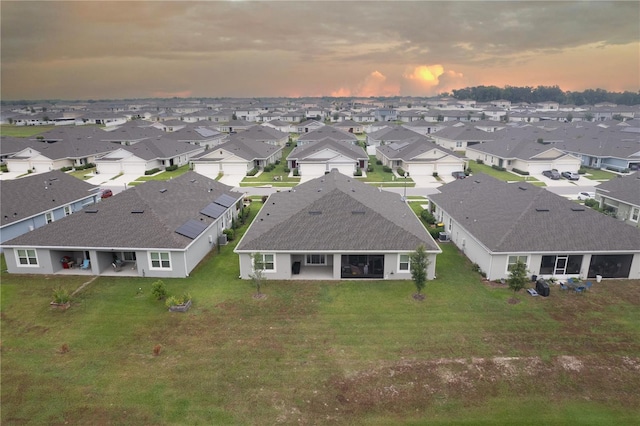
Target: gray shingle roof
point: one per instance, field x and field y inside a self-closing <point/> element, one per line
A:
<point x="113" y="225"/>
<point x="327" y="131"/>
<point x="349" y="150"/>
<point x="34" y="194"/>
<point x="626" y="189"/>
<point x="336" y="213"/>
<point x="520" y="217"/>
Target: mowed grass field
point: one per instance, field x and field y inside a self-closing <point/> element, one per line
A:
<point x="345" y="353"/>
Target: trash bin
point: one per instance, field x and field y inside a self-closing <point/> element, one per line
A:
<point x="295" y="268"/>
<point x="542" y="287"/>
<point x="534" y="278"/>
<point x="598" y="278"/>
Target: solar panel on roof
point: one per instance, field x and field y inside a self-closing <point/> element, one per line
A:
<point x="225" y="200"/>
<point x="192" y="228"/>
<point x="213" y="210"/>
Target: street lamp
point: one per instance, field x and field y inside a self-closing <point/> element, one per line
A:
<point x="404" y="197"/>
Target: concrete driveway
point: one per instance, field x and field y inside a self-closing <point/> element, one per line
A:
<point x="231" y="180"/>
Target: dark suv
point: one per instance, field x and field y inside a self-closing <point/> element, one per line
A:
<point x="551" y="174"/>
<point x="458" y="175"/>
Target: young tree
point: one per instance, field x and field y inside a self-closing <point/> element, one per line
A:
<point x="419" y="265"/>
<point x="518" y="276"/>
<point x="258" y="272"/>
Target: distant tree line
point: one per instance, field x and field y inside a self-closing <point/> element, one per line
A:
<point x="545" y="93"/>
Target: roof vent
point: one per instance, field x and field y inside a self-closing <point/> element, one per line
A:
<point x="523" y="188"/>
<point x="577" y="209"/>
<point x="541" y="209"/>
<point x="139" y="211"/>
<point x="91" y="211"/>
<point x="315" y="212"/>
<point x="163" y="190"/>
<point x="357" y="212"/>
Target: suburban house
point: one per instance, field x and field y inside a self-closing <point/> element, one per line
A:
<point x="33" y="201"/>
<point x="280" y="126"/>
<point x="58" y="148"/>
<point x="496" y="224"/>
<point x="423" y="127"/>
<point x="391" y="133"/>
<point x="459" y="137"/>
<point x="149" y="154"/>
<point x="319" y="157"/>
<point x="157" y="229"/>
<point x="308" y="126"/>
<point x="266" y="134"/>
<point x="418" y="156"/>
<point x="235" y="126"/>
<point x="327" y="132"/>
<point x="525" y="150"/>
<point x="237" y="156"/>
<point x="623" y="196"/>
<point x="349" y="126"/>
<point x="334" y="227"/>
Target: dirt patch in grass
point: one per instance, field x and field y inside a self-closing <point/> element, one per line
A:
<point x="413" y="386"/>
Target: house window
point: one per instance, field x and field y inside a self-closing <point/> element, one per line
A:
<point x="316" y="259"/>
<point x="635" y="214"/>
<point x="266" y="262"/>
<point x="27" y="257"/>
<point x="48" y="217"/>
<point x="129" y="256"/>
<point x="560" y="265"/>
<point x="405" y="262"/>
<point x="67" y="210"/>
<point x="514" y="259"/>
<point x="160" y="260"/>
<point x="458" y="144"/>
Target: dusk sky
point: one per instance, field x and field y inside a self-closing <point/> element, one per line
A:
<point x="114" y="50"/>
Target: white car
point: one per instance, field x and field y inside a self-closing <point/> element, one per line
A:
<point x="586" y="195"/>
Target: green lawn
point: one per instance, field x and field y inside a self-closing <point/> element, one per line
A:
<point x="267" y="178"/>
<point x="597" y="174"/>
<point x="505" y="176"/>
<point x="23" y="131"/>
<point x="165" y="175"/>
<point x="349" y="352"/>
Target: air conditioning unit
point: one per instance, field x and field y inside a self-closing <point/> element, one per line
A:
<point x="443" y="236"/>
<point x="222" y="240"/>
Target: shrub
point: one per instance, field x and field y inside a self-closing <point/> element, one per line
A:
<point x="171" y="168"/>
<point x="590" y="202"/>
<point x="287" y="170"/>
<point x="4" y="168"/>
<point x="66" y="169"/>
<point x="435" y="232"/>
<point x="379" y="162"/>
<point x="369" y="168"/>
<point x="479" y="161"/>
<point x="428" y="217"/>
<point x="434" y="174"/>
<point x="61" y="295"/>
<point x="496" y="167"/>
<point x="230" y="233"/>
<point x="159" y="290"/>
<point x="386" y="169"/>
<point x="520" y="172"/>
<point x="264" y="198"/>
<point x="582" y="170"/>
<point x="152" y="171"/>
<point x="252" y="172"/>
<point x="296" y="172"/>
<point x="358" y="172"/>
<point x="401" y="171"/>
<point x="269" y="167"/>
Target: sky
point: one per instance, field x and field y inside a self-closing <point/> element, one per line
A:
<point x="143" y="49"/>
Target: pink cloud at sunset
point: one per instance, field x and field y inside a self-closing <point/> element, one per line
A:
<point x="84" y="50"/>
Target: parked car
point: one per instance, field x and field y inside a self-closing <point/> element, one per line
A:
<point x="458" y="175"/>
<point x="551" y="174"/>
<point x="586" y="195"/>
<point x="570" y="175"/>
<point x="106" y="193"/>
